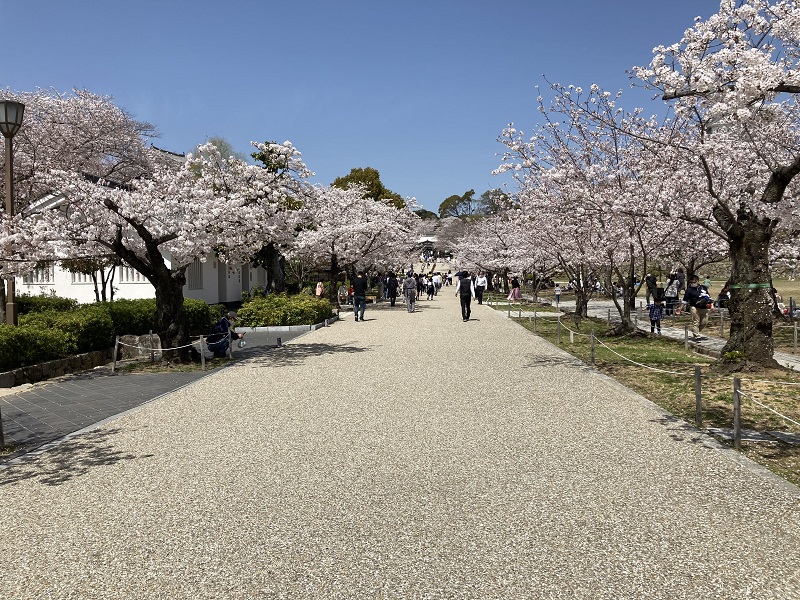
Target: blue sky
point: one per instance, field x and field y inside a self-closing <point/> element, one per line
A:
<point x="419" y="90"/>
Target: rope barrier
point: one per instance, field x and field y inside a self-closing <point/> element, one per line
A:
<point x="641" y="364"/>
<point x="162" y="349"/>
<point x="749" y="397"/>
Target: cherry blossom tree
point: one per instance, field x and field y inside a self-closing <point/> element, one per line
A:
<point x="733" y="82"/>
<point x="344" y="230"/>
<point x="156" y="214"/>
<point x="590" y="184"/>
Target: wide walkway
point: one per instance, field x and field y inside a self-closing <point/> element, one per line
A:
<point x="408" y="456"/>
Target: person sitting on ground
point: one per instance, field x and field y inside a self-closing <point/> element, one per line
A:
<point x="218" y="341"/>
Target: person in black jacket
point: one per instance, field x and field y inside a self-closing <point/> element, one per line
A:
<point x="697" y="299"/>
<point x="359" y="295"/>
<point x="391" y="287"/>
<point x="218" y="340"/>
<point x="466" y="290"/>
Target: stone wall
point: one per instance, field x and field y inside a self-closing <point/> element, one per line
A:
<point x="55" y="368"/>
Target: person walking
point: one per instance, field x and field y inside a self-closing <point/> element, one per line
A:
<point x="359" y="295"/>
<point x="516" y="293"/>
<point x="557" y="292"/>
<point x="481" y="283"/>
<point x="671" y="296"/>
<point x="410" y="291"/>
<point x="391" y="287"/>
<point x="697" y="299"/>
<point x="651" y="283"/>
<point x="465" y="289"/>
<point x="656" y="310"/>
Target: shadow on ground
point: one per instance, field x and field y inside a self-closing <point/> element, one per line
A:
<point x="295" y="354"/>
<point x="538" y="362"/>
<point x="70" y="459"/>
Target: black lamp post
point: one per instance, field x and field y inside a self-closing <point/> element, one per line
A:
<point x="10" y="122"/>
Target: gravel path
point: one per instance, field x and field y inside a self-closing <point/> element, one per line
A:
<point x="409" y="456"/>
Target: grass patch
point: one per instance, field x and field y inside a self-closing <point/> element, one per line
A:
<point x="670" y="384"/>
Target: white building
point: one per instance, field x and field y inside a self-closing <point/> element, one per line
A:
<point x="212" y="281"/>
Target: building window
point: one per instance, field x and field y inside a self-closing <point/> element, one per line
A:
<point x="82" y="278"/>
<point x="41" y="276"/>
<point x="194" y="275"/>
<point x="130" y="275"/>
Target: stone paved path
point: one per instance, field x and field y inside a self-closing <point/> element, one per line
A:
<point x="34" y="415"/>
<point x="408" y="456"/>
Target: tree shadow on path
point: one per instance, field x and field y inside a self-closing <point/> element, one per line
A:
<point x="295" y="354"/>
<point x="68" y="459"/>
<point x="539" y="362"/>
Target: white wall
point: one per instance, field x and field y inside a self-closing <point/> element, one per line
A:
<point x="221" y="283"/>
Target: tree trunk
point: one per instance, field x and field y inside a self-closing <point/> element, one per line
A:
<point x="332" y="293"/>
<point x="751" y="300"/>
<point x="623" y="304"/>
<point x="276" y="273"/>
<point x="170" y="319"/>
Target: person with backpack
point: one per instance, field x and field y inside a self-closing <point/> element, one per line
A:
<point x="698" y="301"/>
<point x="465" y="289"/>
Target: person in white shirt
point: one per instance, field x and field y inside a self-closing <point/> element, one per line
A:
<point x="481" y="283"/>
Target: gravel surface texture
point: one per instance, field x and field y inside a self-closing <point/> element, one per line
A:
<point x="408" y="456"/>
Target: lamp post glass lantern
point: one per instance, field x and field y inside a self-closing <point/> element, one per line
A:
<point x="10" y="121"/>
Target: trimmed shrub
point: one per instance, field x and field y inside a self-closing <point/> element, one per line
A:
<point x="27" y="303"/>
<point x="28" y="344"/>
<point x="200" y="317"/>
<point x="88" y="327"/>
<point x="279" y="309"/>
<point x="132" y="317"/>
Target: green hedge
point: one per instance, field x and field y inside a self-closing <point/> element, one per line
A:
<point x="27" y="344"/>
<point x="27" y="303"/>
<point x="88" y="327"/>
<point x="138" y="317"/>
<point x="44" y="335"/>
<point x="279" y="309"/>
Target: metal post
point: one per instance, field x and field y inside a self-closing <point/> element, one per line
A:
<point x="685" y="337"/>
<point x="698" y="398"/>
<point x="592" y="343"/>
<point x="737" y="413"/>
<point x="11" y="304"/>
<point x="116" y="349"/>
<point x="202" y="353"/>
<point x="609" y="316"/>
<point x="571" y="337"/>
<point x="519" y="313"/>
<point x="509" y="309"/>
<point x="152" y="352"/>
<point x="534" y="321"/>
<point x="794" y="350"/>
<point x="279" y="343"/>
<point x="558" y="330"/>
<point x="721" y="325"/>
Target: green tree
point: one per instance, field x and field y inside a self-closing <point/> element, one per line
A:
<point x="459" y="206"/>
<point x="371" y="179"/>
<point x="493" y="202"/>
<point x="425" y="214"/>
